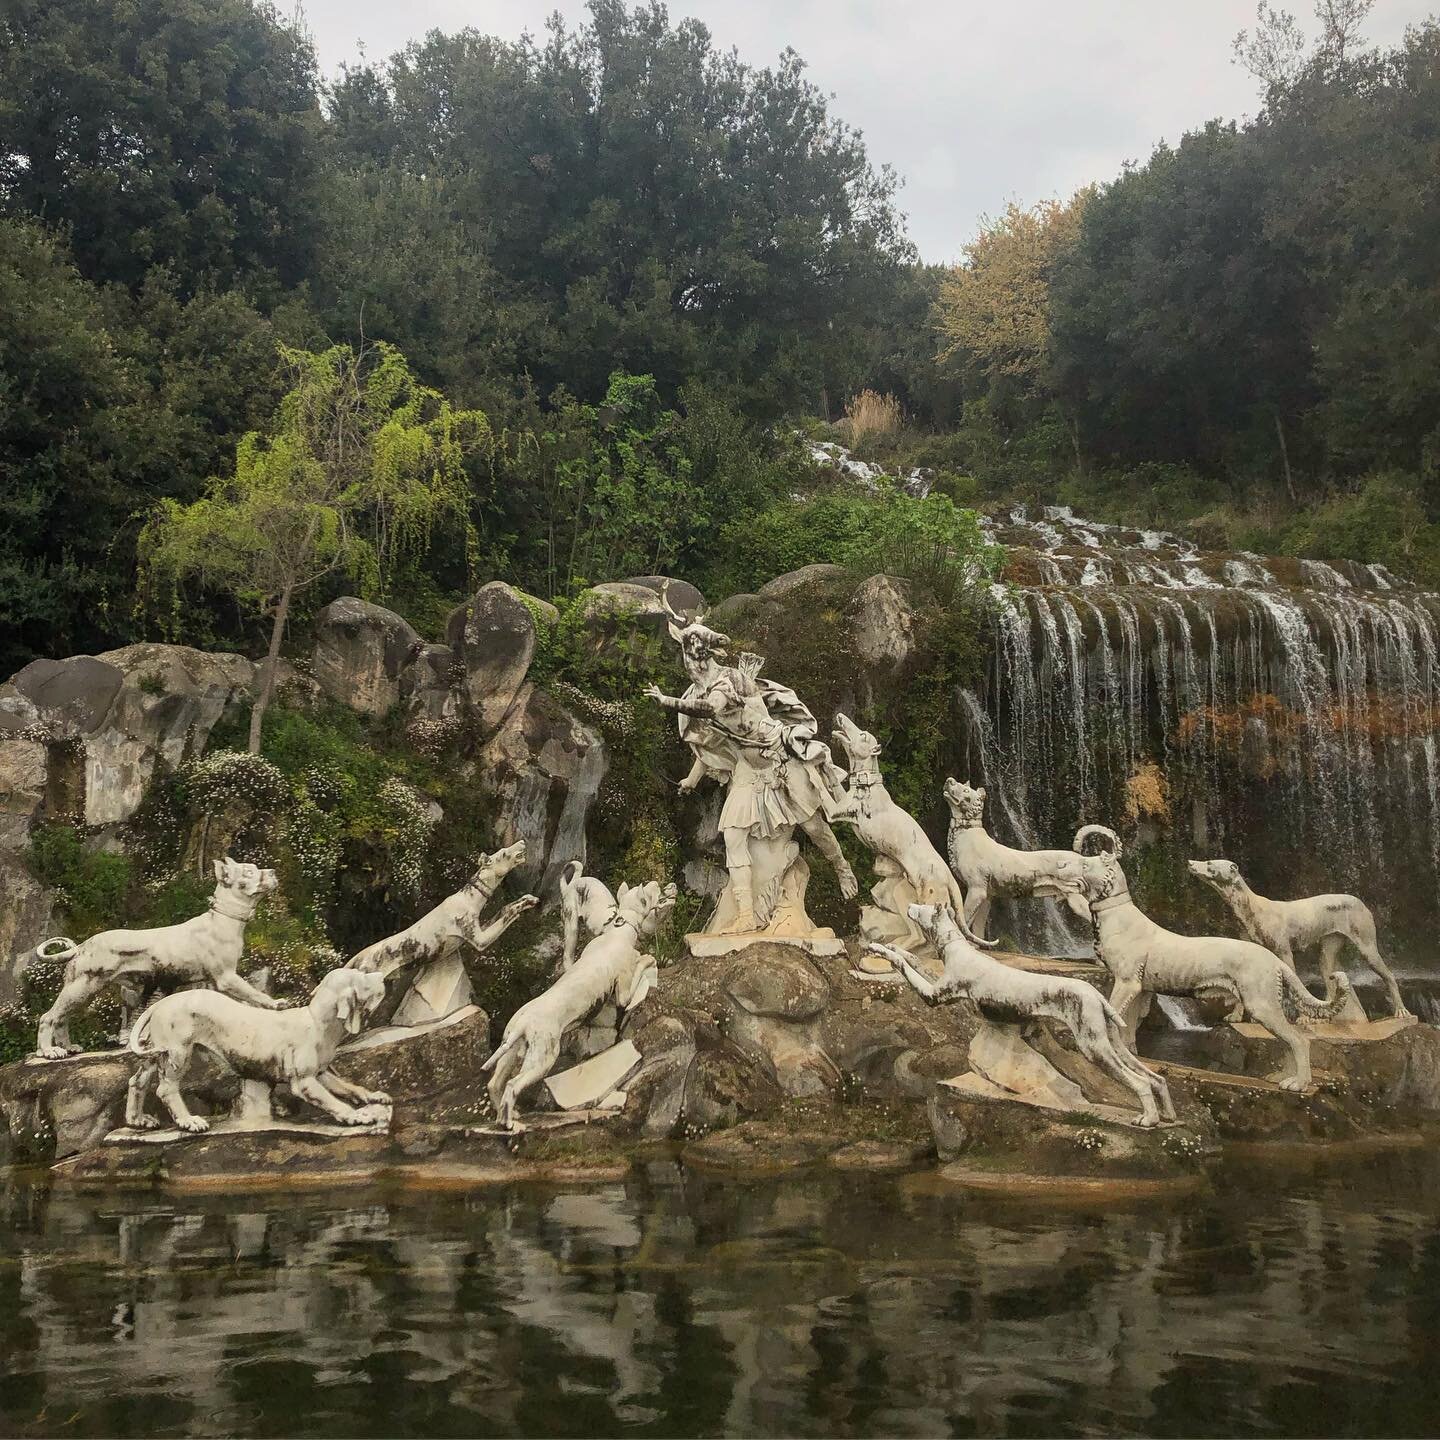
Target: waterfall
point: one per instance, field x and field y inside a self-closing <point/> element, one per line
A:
<point x="1290" y="706"/>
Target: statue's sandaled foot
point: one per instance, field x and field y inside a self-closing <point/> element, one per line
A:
<point x="1293" y="1083"/>
<point x="849" y="885"/>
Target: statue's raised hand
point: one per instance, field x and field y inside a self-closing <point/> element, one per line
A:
<point x="653" y="692"/>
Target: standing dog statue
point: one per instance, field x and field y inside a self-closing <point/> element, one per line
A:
<point x="1285" y="926"/>
<point x="910" y="868"/>
<point x="1007" y="996"/>
<point x="1144" y="956"/>
<point x="610" y="970"/>
<point x="987" y="869"/>
<point x="455" y="921"/>
<point x="585" y="904"/>
<point x="201" y="951"/>
<point x="295" y="1046"/>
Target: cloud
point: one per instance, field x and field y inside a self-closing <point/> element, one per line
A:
<point x="973" y="104"/>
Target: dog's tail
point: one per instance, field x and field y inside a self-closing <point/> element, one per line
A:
<point x="67" y="950"/>
<point x="503" y="1049"/>
<point x="1295" y="998"/>
<point x="570" y="874"/>
<point x="138" y="1031"/>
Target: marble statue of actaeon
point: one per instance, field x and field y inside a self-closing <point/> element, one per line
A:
<point x="989" y="870"/>
<point x="1146" y="958"/>
<point x="1285" y="926"/>
<point x="1006" y="996"/>
<point x="204" y="950"/>
<point x="611" y="970"/>
<point x="435" y="941"/>
<point x="757" y="738"/>
<point x="910" y="868"/>
<point x="295" y="1046"/>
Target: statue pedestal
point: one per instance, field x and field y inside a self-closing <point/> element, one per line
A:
<point x="1342" y="1032"/>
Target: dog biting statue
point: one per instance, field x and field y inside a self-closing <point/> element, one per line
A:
<point x="294" y="1046"/>
<point x="610" y="970"/>
<point x="1006" y="996"/>
<point x="201" y="951"/>
<point x="1144" y="956"/>
<point x="910" y="868"/>
<point x="1285" y="926"/>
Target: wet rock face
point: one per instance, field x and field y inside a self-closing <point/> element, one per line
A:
<point x="493" y="637"/>
<point x="361" y="653"/>
<point x="427" y="685"/>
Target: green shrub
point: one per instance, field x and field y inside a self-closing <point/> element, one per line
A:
<point x="92" y="886"/>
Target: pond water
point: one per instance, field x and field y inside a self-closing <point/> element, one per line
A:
<point x="1290" y="1302"/>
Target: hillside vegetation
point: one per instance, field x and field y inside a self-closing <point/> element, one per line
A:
<point x="643" y="271"/>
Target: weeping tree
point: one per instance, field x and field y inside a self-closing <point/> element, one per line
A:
<point x="360" y="464"/>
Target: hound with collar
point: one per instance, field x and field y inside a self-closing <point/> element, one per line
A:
<point x="611" y="970"/>
<point x="1285" y="926"/>
<point x="1007" y="996"/>
<point x="201" y="951"/>
<point x="1144" y="956"/>
<point x="455" y="921"/>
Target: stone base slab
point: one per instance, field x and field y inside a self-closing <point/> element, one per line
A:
<point x="820" y="942"/>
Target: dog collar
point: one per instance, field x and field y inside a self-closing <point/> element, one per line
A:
<point x="480" y="890"/>
<point x="247" y="913"/>
<point x="968" y="824"/>
<point x="1111" y="902"/>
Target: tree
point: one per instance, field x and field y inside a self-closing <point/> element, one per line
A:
<point x="993" y="311"/>
<point x="360" y="464"/>
<point x="162" y="132"/>
<point x="647" y="201"/>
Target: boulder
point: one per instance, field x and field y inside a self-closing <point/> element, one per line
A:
<point x="493" y="637"/>
<point x="170" y="700"/>
<point x="428" y="688"/>
<point x="361" y="652"/>
<point x="543" y="769"/>
<point x="73" y="696"/>
<point x="794" y="580"/>
<point x="24" y="769"/>
<point x="776" y="997"/>
<point x="882" y="622"/>
<point x="684" y="597"/>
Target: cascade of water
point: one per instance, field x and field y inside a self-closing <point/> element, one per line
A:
<point x="1304" y="694"/>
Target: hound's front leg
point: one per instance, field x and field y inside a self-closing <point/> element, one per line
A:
<point x="346" y="1090"/>
<point x="237" y="987"/>
<point x="312" y="1090"/>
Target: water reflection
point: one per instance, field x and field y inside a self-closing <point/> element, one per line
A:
<point x="678" y="1304"/>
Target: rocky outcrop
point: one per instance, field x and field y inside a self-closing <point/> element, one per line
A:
<point x="684" y="597"/>
<point x="777" y="1001"/>
<point x="542" y="769"/>
<point x="793" y="580"/>
<point x="361" y="653"/>
<point x="429" y="688"/>
<point x="129" y="710"/>
<point x="493" y="638"/>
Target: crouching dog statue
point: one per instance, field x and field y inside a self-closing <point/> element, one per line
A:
<point x="295" y="1046"/>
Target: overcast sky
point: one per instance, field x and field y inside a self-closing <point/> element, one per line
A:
<point x="975" y="104"/>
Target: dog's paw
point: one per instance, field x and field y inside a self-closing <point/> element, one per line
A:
<point x="195" y="1124"/>
<point x="55" y="1052"/>
<point x="377" y="1097"/>
<point x="143" y="1122"/>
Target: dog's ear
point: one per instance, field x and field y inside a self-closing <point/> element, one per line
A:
<point x="349" y="1009"/>
<point x="622" y="892"/>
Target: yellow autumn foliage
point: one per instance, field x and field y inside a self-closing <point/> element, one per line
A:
<point x="993" y="309"/>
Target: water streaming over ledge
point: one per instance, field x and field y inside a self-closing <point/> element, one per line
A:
<point x="1285" y="708"/>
